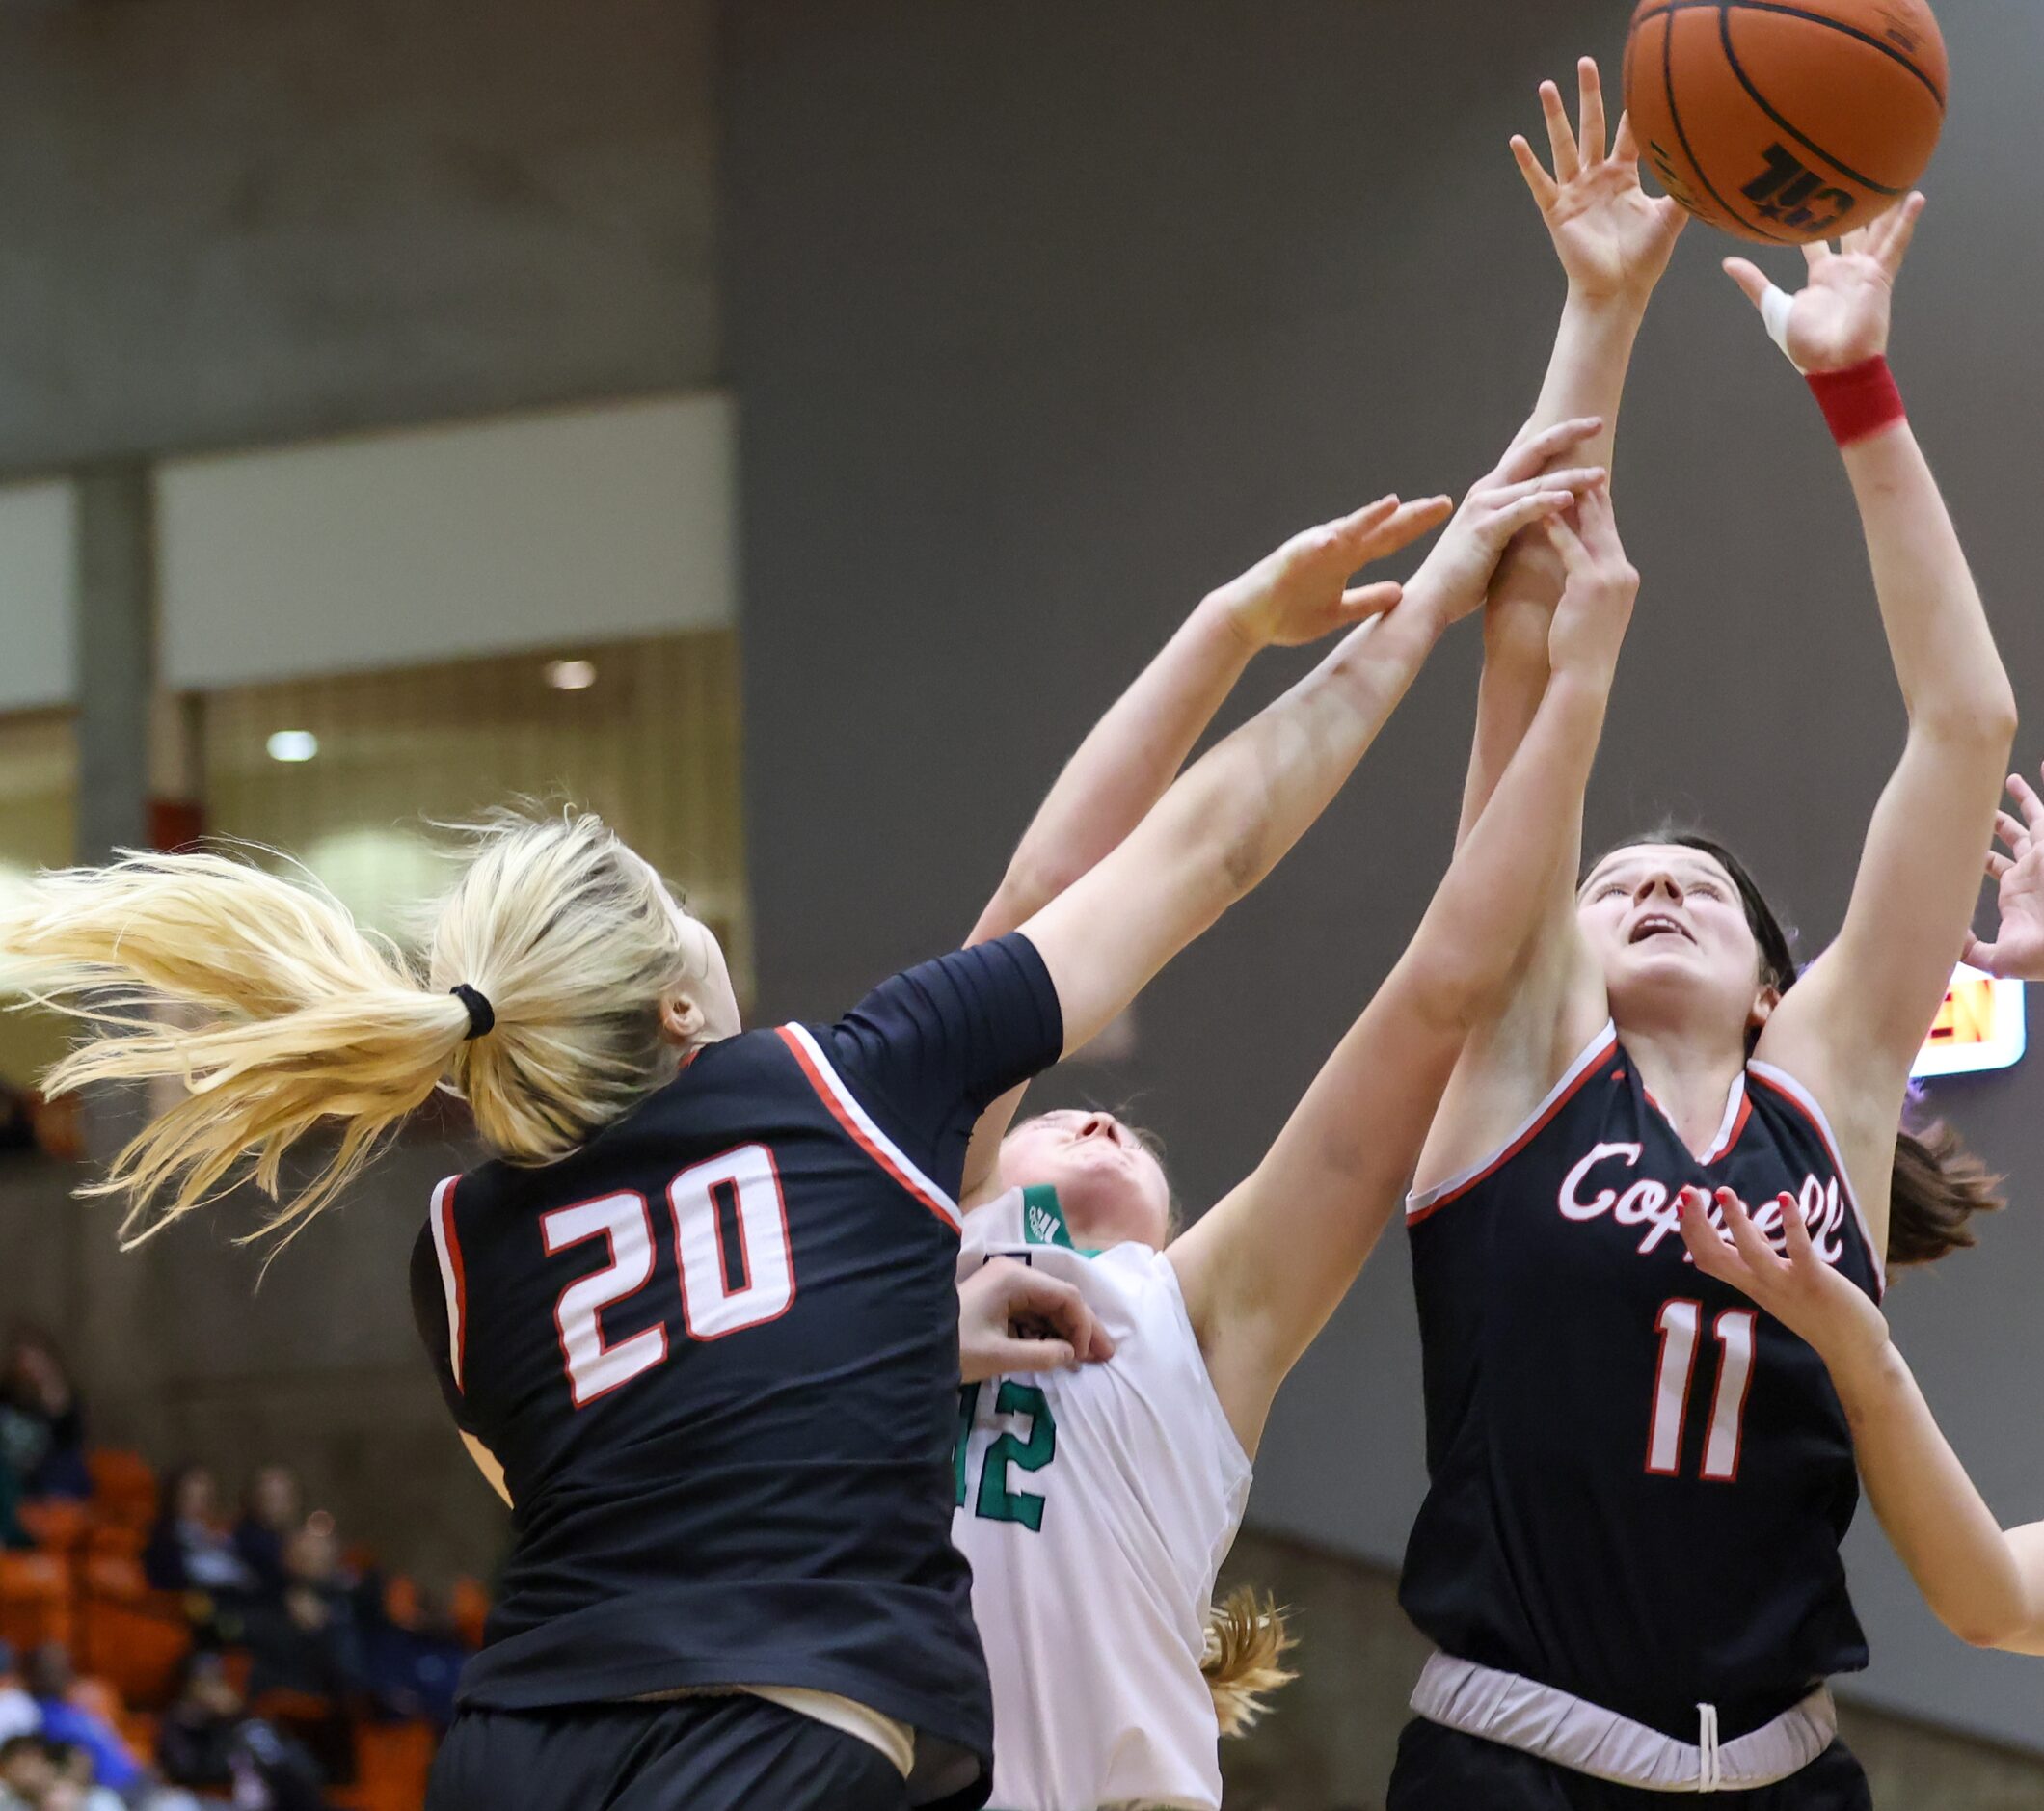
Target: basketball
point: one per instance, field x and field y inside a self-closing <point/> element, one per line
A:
<point x="1785" y="124"/>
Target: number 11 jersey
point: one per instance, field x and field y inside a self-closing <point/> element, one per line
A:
<point x="716" y="1351"/>
<point x="1637" y="1481"/>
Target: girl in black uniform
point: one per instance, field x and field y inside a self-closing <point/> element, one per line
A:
<point x="697" y="1316"/>
<point x="1628" y="1555"/>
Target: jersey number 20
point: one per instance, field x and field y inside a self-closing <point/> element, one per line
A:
<point x="1678" y="1324"/>
<point x="728" y="1283"/>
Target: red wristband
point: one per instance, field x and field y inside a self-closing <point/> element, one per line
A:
<point x="1860" y="400"/>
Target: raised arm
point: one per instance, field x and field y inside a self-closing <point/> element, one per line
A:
<point x="1614" y="242"/>
<point x="1233" y="814"/>
<point x="1265" y="1268"/>
<point x="1298" y="594"/>
<point x="1985" y="1583"/>
<point x="1134" y="752"/>
<point x="1850" y="1028"/>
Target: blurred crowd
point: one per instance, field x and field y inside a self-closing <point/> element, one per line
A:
<point x="294" y="1643"/>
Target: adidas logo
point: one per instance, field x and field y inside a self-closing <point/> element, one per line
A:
<point x="1042" y="1227"/>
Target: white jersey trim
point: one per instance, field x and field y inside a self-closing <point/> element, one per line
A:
<point x="856" y="1121"/>
<point x="1727" y="1126"/>
<point x="1804" y="1098"/>
<point x="447" y="1244"/>
<point x="1423" y="1202"/>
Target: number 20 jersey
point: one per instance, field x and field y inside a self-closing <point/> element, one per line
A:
<point x="716" y="1351"/>
<point x="1638" y="1483"/>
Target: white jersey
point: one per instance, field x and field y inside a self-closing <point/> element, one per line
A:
<point x="1095" y="1506"/>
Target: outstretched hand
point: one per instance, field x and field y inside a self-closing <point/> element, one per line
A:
<point x="1598" y="587"/>
<point x="2017" y="952"/>
<point x="1613" y="238"/>
<point x="1808" y="1296"/>
<point x="1841" y="318"/>
<point x="1300" y="592"/>
<point x="1516" y="494"/>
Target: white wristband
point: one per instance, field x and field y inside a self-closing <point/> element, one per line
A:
<point x="1775" y="307"/>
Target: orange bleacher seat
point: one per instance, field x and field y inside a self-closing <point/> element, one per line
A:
<point x="118" y="1538"/>
<point x="131" y="1635"/>
<point x="124" y="1486"/>
<point x="392" y="1763"/>
<point x="35" y="1600"/>
<point x="401" y="1600"/>
<point x="56" y="1523"/>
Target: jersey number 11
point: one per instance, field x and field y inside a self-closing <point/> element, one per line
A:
<point x="1679" y="1323"/>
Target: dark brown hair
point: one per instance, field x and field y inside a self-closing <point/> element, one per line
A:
<point x="1937" y="1185"/>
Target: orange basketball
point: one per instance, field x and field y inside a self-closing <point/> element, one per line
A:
<point x="1787" y="122"/>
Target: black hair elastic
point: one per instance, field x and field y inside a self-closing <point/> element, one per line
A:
<point x="482" y="1015"/>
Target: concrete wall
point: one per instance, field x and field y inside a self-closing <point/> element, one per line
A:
<point x="1044" y="321"/>
<point x="241" y="221"/>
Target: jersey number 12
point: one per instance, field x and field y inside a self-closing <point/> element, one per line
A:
<point x="1679" y="1323"/>
<point x="728" y="1282"/>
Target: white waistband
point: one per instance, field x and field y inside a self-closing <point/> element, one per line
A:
<point x="1573" y="1733"/>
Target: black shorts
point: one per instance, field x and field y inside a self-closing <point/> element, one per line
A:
<point x="1443" y="1769"/>
<point x="736" y="1754"/>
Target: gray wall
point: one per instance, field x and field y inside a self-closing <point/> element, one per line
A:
<point x="1046" y="319"/>
<point x="251" y="219"/>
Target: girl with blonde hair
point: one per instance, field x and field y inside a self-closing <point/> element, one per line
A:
<point x="696" y="1314"/>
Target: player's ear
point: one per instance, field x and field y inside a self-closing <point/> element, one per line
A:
<point x="681" y="1019"/>
<point x="1763" y="1003"/>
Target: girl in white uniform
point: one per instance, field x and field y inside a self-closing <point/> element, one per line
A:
<point x="1096" y="1503"/>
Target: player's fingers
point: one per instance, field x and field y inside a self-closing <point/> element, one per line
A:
<point x="1574" y="555"/>
<point x="1590" y="110"/>
<point x="1997" y="864"/>
<point x="1816" y="252"/>
<point x="1894" y="247"/>
<point x="1755" y="1249"/>
<point x="1625" y="145"/>
<point x="1796" y="1232"/>
<point x="1544" y="191"/>
<point x="1571" y="479"/>
<point x="1370" y="600"/>
<point x="2013" y="832"/>
<point x="1057" y="1303"/>
<point x="1011" y="1355"/>
<point x="1403" y="526"/>
<point x="1530" y="455"/>
<point x="1524" y="511"/>
<point x="1706" y="1244"/>
<point x="1980" y="956"/>
<point x="1749" y="278"/>
<point x="1561" y="137"/>
<point x="2027" y="801"/>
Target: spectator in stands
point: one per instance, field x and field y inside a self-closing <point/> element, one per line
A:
<point x="273" y="1511"/>
<point x="49" y="1677"/>
<point x="187" y="1550"/>
<point x="210" y="1742"/>
<point x="309" y="1643"/>
<point x="75" y="1769"/>
<point x="12" y="1532"/>
<point x="27" y="1772"/>
<point x="19" y="1714"/>
<point x="42" y="1424"/>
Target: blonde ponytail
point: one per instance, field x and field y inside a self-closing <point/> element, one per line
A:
<point x="1246" y="1643"/>
<point x="283" y="1012"/>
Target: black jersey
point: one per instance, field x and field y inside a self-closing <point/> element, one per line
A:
<point x="1638" y="1481"/>
<point x="716" y="1351"/>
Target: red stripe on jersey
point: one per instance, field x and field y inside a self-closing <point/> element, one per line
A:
<point x="1588" y="1068"/>
<point x="828" y="1095"/>
<point x="443" y="1211"/>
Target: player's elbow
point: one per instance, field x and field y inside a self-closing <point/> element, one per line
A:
<point x="1980" y="717"/>
<point x="1994" y="1626"/>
